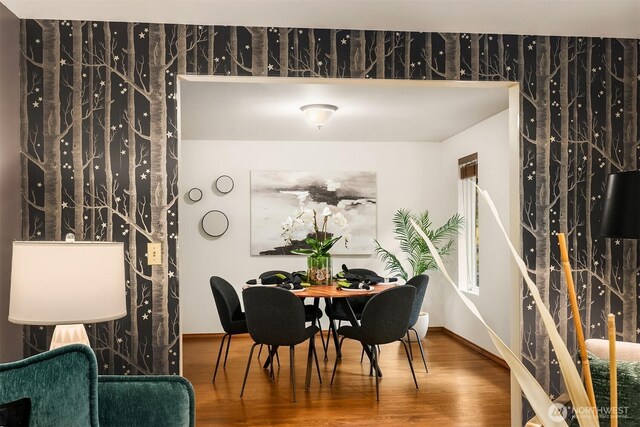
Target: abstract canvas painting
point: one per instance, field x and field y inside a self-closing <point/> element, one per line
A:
<point x="283" y="204"/>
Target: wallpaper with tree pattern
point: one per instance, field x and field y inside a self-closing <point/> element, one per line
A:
<point x="99" y="151"/>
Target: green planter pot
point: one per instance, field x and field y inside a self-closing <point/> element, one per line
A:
<point x="319" y="270"/>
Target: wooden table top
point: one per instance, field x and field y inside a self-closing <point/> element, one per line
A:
<point x="331" y="291"/>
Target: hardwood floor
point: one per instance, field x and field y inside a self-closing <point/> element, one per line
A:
<point x="462" y="388"/>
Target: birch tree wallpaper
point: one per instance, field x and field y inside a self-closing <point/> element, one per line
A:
<point x="100" y="154"/>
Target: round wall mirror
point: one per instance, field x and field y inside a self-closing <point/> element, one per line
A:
<point x="215" y="223"/>
<point x="195" y="194"/>
<point x="224" y="184"/>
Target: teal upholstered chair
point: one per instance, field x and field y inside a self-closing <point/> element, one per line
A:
<point x="65" y="390"/>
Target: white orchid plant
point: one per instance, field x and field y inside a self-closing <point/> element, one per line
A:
<point x="304" y="225"/>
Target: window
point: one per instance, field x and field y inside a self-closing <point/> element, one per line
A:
<point x="468" y="243"/>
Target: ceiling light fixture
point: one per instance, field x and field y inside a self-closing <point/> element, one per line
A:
<point x="318" y="114"/>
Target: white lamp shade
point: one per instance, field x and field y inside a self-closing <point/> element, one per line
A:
<point x="55" y="283"/>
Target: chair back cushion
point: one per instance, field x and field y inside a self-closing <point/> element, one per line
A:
<point x="419" y="282"/>
<point x="274" y="316"/>
<point x="270" y="273"/>
<point x="227" y="302"/>
<point x="62" y="385"/>
<point x="385" y="318"/>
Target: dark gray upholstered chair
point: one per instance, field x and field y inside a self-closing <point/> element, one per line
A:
<point x="357" y="305"/>
<point x="310" y="313"/>
<point x="385" y="319"/>
<point x="420" y="283"/>
<point x="230" y="312"/>
<point x="275" y="317"/>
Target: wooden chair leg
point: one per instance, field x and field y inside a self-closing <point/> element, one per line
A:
<point x="292" y="369"/>
<point x="410" y="364"/>
<point x="335" y="365"/>
<point x="215" y="372"/>
<point x="226" y="354"/>
<point x="246" y="372"/>
<point x="424" y="361"/>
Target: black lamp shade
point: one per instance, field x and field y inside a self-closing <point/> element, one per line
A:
<point x="621" y="214"/>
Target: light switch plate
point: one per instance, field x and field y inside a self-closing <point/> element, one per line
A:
<point x="154" y="251"/>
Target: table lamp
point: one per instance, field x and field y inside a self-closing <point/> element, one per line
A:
<point x="67" y="284"/>
<point x="621" y="213"/>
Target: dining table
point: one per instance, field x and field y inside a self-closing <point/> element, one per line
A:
<point x="340" y="295"/>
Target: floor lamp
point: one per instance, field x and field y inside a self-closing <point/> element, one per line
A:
<point x="67" y="284"/>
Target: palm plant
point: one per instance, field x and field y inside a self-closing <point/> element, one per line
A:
<point x="414" y="247"/>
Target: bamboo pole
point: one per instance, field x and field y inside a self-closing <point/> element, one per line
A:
<point x="586" y="371"/>
<point x="613" y="373"/>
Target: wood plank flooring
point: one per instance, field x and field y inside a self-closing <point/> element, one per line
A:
<point x="462" y="388"/>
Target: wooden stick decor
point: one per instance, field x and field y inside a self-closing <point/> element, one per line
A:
<point x="613" y="372"/>
<point x="586" y="371"/>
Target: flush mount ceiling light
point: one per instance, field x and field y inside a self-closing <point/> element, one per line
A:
<point x="318" y="114"/>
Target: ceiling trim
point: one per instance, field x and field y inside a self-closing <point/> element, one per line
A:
<point x="613" y="18"/>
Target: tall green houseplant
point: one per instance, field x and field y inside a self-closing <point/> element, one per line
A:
<point x="414" y="247"/>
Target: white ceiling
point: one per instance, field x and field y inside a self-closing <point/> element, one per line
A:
<point x="370" y="110"/>
<point x="614" y="18"/>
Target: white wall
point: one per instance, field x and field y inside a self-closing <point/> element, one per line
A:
<point x="408" y="176"/>
<point x="10" y="334"/>
<point x="490" y="139"/>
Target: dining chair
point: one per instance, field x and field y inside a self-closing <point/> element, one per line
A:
<point x="357" y="305"/>
<point x="385" y="319"/>
<point x="310" y="312"/>
<point x="230" y="313"/>
<point x="275" y="317"/>
<point x="419" y="282"/>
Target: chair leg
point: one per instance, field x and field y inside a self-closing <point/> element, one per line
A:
<point x="321" y="335"/>
<point x="409" y="342"/>
<point x="362" y="354"/>
<point x="226" y="354"/>
<point x="410" y="364"/>
<point x="374" y="361"/>
<point x="215" y="372"/>
<point x="271" y="376"/>
<point x="246" y="372"/>
<point x="424" y="361"/>
<point x="260" y="351"/>
<point x="335" y="365"/>
<point x="292" y="369"/>
<point x="277" y="358"/>
<point x="315" y="356"/>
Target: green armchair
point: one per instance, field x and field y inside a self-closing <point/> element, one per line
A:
<point x="66" y="390"/>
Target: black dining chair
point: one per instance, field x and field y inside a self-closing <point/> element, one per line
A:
<point x="419" y="282"/>
<point x="310" y="312"/>
<point x="357" y="305"/>
<point x="385" y="319"/>
<point x="275" y="317"/>
<point x="231" y="315"/>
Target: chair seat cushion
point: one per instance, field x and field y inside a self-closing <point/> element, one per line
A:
<point x="238" y="327"/>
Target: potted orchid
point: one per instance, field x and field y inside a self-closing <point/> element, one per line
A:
<point x="318" y="240"/>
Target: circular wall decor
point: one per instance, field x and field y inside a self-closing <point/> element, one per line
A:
<point x="215" y="223"/>
<point x="195" y="194"/>
<point x="224" y="184"/>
